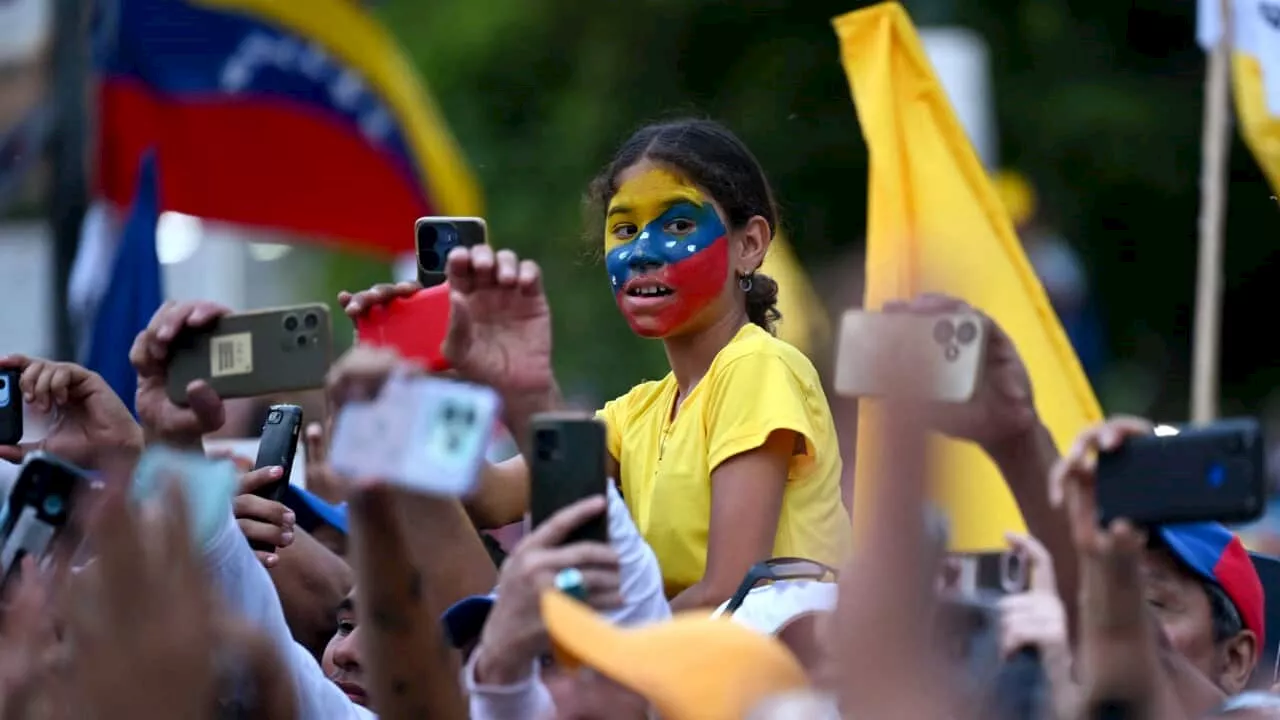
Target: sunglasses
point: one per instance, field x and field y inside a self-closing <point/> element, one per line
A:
<point x="781" y="568"/>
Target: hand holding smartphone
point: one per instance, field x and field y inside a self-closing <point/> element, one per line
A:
<point x="1210" y="473"/>
<point x="10" y="407"/>
<point x="953" y="343"/>
<point x="416" y="326"/>
<point x="255" y="353"/>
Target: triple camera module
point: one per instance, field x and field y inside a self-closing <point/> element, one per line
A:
<point x="301" y="330"/>
<point x="950" y="336"/>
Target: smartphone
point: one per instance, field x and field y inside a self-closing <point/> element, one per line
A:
<point x="954" y="343"/>
<point x="1209" y="473"/>
<point x="569" y="463"/>
<point x="415" y="327"/>
<point x="436" y="236"/>
<point x="425" y="434"/>
<point x="10" y="407"/>
<point x="37" y="510"/>
<point x="973" y="574"/>
<point x="254" y="353"/>
<point x="279" y="446"/>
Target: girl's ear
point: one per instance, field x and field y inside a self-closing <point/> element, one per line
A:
<point x="755" y="240"/>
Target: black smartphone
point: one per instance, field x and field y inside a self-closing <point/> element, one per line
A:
<point x="10" y="407"/>
<point x="436" y="236"/>
<point x="1208" y="473"/>
<point x="277" y="446"/>
<point x="37" y="510"/>
<point x="570" y="462"/>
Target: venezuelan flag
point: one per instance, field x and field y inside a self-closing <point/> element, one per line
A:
<point x="289" y="114"/>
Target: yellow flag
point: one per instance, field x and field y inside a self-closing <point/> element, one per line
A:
<point x="1259" y="128"/>
<point x="804" y="321"/>
<point x="936" y="225"/>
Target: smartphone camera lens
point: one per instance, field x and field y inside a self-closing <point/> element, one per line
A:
<point x="966" y="333"/>
<point x="275" y="417"/>
<point x="546" y="444"/>
<point x="943" y="331"/>
<point x="290" y="323"/>
<point x="310" y="321"/>
<point x="52" y="506"/>
<point x="302" y="341"/>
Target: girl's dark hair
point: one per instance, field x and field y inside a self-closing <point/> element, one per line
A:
<point x="717" y="161"/>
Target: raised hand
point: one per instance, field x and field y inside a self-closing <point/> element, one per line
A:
<point x="499" y="323"/>
<point x="89" y="420"/>
<point x="163" y="420"/>
<point x="1002" y="406"/>
<point x="321" y="479"/>
<point x="261" y="520"/>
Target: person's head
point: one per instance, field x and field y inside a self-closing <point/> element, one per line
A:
<point x="341" y="661"/>
<point x="688" y="218"/>
<point x="1207" y="597"/>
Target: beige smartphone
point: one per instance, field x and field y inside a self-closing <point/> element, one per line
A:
<point x="953" y="345"/>
<point x="254" y="353"/>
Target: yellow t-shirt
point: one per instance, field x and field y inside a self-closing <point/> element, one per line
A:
<point x="757" y="384"/>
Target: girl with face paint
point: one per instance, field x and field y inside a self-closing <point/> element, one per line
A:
<point x="730" y="459"/>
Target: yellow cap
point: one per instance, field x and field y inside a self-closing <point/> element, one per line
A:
<point x="1016" y="193"/>
<point x="693" y="667"/>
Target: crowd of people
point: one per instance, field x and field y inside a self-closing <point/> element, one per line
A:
<point x="730" y="585"/>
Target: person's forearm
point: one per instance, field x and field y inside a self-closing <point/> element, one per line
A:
<point x="518" y="411"/>
<point x="502" y="496"/>
<point x="1025" y="463"/>
<point x="311" y="582"/>
<point x="703" y="594"/>
<point x="413" y="672"/>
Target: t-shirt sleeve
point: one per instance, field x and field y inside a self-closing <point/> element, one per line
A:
<point x="752" y="397"/>
<point x="610" y="415"/>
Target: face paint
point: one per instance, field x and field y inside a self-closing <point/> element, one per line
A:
<point x="666" y="250"/>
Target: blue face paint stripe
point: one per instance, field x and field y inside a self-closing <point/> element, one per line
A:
<point x="654" y="247"/>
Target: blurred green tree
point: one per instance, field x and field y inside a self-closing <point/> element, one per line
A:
<point x="1098" y="101"/>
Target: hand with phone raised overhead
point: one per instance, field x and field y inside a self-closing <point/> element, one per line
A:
<point x="162" y="418"/>
<point x="1002" y="407"/>
<point x="88" y="418"/>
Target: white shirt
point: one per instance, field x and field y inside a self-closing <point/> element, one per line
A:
<point x="643" y="602"/>
<point x="250" y="594"/>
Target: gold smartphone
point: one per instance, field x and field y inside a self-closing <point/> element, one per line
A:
<point x="254" y="353"/>
<point x="952" y="344"/>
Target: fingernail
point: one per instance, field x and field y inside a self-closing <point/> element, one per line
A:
<point x="271" y="561"/>
<point x="276" y="471"/>
<point x="290" y="519"/>
<point x="286" y="539"/>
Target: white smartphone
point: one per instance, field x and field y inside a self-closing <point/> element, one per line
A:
<point x="870" y="342"/>
<point x="425" y="434"/>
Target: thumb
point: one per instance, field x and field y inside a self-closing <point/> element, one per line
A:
<point x="207" y="406"/>
<point x="314" y="442"/>
<point x="458" y="338"/>
<point x="17" y="453"/>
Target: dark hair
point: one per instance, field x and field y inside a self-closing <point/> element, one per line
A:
<point x="1226" y="618"/>
<point x="717" y="161"/>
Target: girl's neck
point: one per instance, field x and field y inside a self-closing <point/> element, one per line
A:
<point x="691" y="355"/>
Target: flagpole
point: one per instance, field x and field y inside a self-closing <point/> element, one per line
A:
<point x="1215" y="158"/>
<point x="68" y="158"/>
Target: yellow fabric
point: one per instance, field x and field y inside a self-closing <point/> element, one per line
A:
<point x="804" y="322"/>
<point x="692" y="667"/>
<point x="1259" y="128"/>
<point x="349" y="32"/>
<point x="1016" y="195"/>
<point x="757" y="384"/>
<point x="935" y="224"/>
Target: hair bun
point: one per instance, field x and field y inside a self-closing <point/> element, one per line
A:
<point x="762" y="301"/>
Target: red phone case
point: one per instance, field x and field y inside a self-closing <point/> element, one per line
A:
<point x="414" y="326"/>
